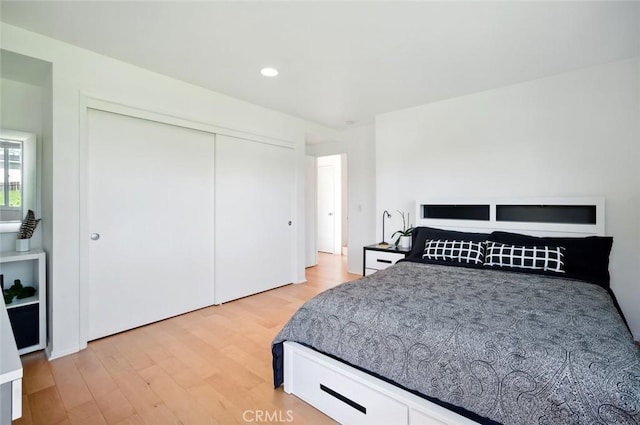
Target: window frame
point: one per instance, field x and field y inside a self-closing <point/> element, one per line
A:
<point x="29" y="175"/>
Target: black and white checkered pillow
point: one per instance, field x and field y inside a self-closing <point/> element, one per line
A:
<point x="547" y="258"/>
<point x="460" y="251"/>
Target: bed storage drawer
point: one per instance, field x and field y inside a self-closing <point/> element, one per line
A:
<point x="340" y="396"/>
<point x="343" y="392"/>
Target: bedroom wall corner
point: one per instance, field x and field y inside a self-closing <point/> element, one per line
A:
<point x="310" y="205"/>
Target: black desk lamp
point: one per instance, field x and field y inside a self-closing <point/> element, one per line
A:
<point x="384" y="214"/>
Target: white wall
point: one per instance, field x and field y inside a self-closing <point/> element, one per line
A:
<point x="78" y="72"/>
<point x="21" y="106"/>
<point x="46" y="200"/>
<point x="344" y="201"/>
<point x="574" y="134"/>
<point x="311" y="208"/>
<point x="358" y="145"/>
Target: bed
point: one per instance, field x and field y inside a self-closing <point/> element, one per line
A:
<point x="436" y="341"/>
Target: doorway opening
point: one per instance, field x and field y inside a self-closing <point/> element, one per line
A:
<point x="332" y="196"/>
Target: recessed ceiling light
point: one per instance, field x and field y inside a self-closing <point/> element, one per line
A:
<point x="269" y="72"/>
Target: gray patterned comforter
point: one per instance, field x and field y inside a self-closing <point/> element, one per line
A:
<point x="511" y="347"/>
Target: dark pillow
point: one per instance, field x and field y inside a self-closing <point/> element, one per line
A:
<point x="543" y="258"/>
<point x="456" y="251"/>
<point x="421" y="234"/>
<point x="585" y="258"/>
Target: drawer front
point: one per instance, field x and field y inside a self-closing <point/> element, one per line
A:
<point x="426" y="413"/>
<point x="380" y="260"/>
<point x="346" y="401"/>
<point x="416" y="417"/>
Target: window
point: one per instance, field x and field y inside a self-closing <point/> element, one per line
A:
<point x="10" y="180"/>
<point x="17" y="177"/>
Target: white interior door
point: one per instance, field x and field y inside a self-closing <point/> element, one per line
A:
<point x="150" y="213"/>
<point x="254" y="213"/>
<point x="326" y="208"/>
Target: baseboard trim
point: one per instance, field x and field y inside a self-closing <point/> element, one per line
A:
<point x="52" y="355"/>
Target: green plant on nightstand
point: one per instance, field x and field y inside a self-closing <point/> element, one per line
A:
<point x="404" y="235"/>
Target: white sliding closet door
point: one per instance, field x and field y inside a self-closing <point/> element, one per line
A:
<point x="254" y="206"/>
<point x="150" y="219"/>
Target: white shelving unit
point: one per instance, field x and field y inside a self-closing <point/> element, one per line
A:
<point x="30" y="268"/>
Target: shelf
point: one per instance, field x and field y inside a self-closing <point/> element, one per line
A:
<point x="9" y="256"/>
<point x="28" y="316"/>
<point x="23" y="301"/>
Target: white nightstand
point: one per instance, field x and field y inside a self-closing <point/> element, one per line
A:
<point x="379" y="258"/>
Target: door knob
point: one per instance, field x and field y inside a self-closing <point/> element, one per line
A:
<point x="330" y="213"/>
<point x="95" y="236"/>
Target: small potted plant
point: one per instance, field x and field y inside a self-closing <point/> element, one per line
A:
<point x="404" y="235"/>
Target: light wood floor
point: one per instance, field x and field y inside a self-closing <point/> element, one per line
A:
<point x="211" y="366"/>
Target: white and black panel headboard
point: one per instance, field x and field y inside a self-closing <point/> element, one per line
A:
<point x="583" y="216"/>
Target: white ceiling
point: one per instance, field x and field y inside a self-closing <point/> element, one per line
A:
<point x="343" y="61"/>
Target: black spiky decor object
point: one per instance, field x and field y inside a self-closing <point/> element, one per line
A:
<point x="28" y="226"/>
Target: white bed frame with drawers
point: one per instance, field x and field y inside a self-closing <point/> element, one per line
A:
<point x="351" y="396"/>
